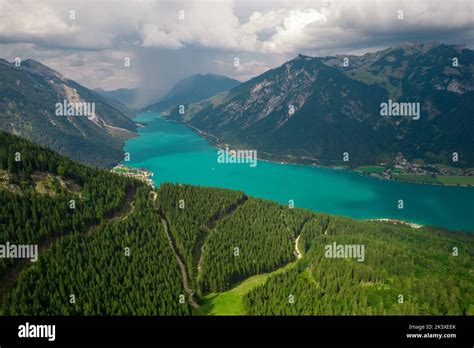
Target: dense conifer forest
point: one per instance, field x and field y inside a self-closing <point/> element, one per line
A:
<point x="124" y="267"/>
<point x="31" y="218"/>
<point x="253" y="240"/>
<point x="111" y="254"/>
<point x="190" y="211"/>
<point x="405" y="272"/>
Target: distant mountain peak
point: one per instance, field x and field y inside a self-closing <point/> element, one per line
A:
<point x="31" y="63"/>
<point x="192" y="89"/>
<point x="302" y="56"/>
<point x="209" y="75"/>
<point x="31" y="94"/>
<point x="40" y="68"/>
<point x="315" y="108"/>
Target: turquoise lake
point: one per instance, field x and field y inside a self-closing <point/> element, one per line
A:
<point x="177" y="154"/>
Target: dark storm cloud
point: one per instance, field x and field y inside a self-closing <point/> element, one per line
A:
<point x="169" y="40"/>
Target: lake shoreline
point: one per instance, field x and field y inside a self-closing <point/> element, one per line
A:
<point x="397" y="222"/>
<point x="179" y="153"/>
<point x="221" y="145"/>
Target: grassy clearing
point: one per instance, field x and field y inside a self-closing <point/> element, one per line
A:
<point x="439" y="179"/>
<point x="120" y="170"/>
<point x="230" y="302"/>
<point x="124" y="169"/>
<point x="49" y="184"/>
<point x="371" y="169"/>
<point x="456" y="180"/>
<point x="398" y="171"/>
<point x="4" y="179"/>
<point x="46" y="184"/>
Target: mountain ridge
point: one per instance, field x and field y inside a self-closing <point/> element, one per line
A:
<point x="337" y="109"/>
<point x="28" y="106"/>
<point x="193" y="88"/>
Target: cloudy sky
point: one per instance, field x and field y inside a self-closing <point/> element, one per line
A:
<point x="165" y="41"/>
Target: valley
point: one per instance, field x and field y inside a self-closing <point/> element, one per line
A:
<point x="47" y="108"/>
<point x="252" y="249"/>
<point x="177" y="154"/>
<point x="198" y="173"/>
<point x="317" y="111"/>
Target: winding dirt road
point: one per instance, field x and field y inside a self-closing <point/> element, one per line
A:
<point x="11" y="275"/>
<point x="184" y="272"/>
<point x="299" y="255"/>
<point x="206" y="229"/>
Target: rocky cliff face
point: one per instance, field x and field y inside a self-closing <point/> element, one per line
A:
<point x="29" y="99"/>
<point x="318" y="108"/>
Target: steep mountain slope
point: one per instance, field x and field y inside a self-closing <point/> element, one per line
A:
<point x="315" y="109"/>
<point x="425" y="73"/>
<point x="130" y="97"/>
<point x="112" y="212"/>
<point x="423" y="66"/>
<point x="193" y="88"/>
<point x="115" y="246"/>
<point x="28" y="97"/>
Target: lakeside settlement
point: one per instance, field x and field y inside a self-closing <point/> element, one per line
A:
<point x="141" y="174"/>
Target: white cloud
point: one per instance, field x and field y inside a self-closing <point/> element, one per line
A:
<point x="277" y="26"/>
<point x="271" y="30"/>
<point x="152" y="36"/>
<point x="249" y="69"/>
<point x="293" y="31"/>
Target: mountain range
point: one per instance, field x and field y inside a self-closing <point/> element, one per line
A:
<point x="29" y="96"/>
<point x="223" y="253"/>
<point x="192" y="89"/>
<point x="321" y="110"/>
<point x="31" y="91"/>
<point x="318" y="109"/>
<point x="125" y="96"/>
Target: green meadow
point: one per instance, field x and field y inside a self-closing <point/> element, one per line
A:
<point x="231" y="302"/>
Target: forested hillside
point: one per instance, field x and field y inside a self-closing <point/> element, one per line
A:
<point x="191" y="211"/>
<point x="105" y="277"/>
<point x="314" y="109"/>
<point x="28" y="97"/>
<point x="255" y="239"/>
<point x="405" y="272"/>
<point x="32" y="218"/>
<point x="126" y="248"/>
